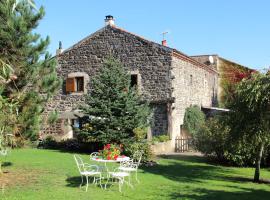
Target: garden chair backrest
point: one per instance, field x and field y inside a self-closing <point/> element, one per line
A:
<point x="137" y="157"/>
<point x="93" y="155"/>
<point x="79" y="163"/>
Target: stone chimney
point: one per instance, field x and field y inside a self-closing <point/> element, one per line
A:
<point x="60" y="49"/>
<point x="109" y="20"/>
<point x="164" y="42"/>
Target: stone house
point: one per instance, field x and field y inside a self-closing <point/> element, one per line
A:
<point x="170" y="80"/>
<point x="227" y="70"/>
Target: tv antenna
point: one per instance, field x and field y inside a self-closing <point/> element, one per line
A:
<point x="164" y="34"/>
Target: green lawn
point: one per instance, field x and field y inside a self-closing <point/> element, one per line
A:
<point x="52" y="175"/>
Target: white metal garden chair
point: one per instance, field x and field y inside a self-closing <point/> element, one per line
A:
<point x="120" y="176"/>
<point x="131" y="166"/>
<point x="88" y="170"/>
<point x="95" y="155"/>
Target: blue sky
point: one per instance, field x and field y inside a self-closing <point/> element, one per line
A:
<point x="238" y="30"/>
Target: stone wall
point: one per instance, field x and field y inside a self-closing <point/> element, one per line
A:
<point x="152" y="62"/>
<point x="160" y="119"/>
<point x="192" y="85"/>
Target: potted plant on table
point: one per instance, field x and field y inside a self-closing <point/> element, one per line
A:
<point x="110" y="151"/>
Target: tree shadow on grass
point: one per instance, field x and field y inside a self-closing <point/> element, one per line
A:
<point x="75" y="181"/>
<point x="194" y="170"/>
<point x="206" y="194"/>
<point x="187" y="169"/>
<point x="6" y="164"/>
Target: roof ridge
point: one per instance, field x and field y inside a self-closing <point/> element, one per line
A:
<point x="173" y="50"/>
<point x="83" y="40"/>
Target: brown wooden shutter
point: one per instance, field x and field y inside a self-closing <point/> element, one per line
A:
<point x="70" y="85"/>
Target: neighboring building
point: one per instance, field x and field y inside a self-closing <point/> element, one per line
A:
<point x="170" y="80"/>
<point x="229" y="72"/>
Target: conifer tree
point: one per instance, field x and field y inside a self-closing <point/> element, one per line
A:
<point x="33" y="68"/>
<point x="114" y="107"/>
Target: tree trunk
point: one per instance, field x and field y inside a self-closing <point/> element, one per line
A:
<point x="258" y="164"/>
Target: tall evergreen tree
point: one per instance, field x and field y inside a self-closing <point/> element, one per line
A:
<point x="114" y="107"/>
<point x="34" y="68"/>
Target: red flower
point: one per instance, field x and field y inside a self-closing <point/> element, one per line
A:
<point x="109" y="158"/>
<point x="115" y="157"/>
<point x="108" y="146"/>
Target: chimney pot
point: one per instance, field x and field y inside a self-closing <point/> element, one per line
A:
<point x="164" y="42"/>
<point x="109" y="20"/>
<point x="60" y="49"/>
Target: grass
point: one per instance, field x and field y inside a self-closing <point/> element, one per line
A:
<point x="44" y="174"/>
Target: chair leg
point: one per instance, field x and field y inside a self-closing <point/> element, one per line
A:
<point x="81" y="182"/>
<point x="100" y="177"/>
<point x="129" y="181"/>
<point x="137" y="177"/>
<point x="86" y="183"/>
<point x="120" y="184"/>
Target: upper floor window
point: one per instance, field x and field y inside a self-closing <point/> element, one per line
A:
<point x="76" y="82"/>
<point x="79" y="82"/>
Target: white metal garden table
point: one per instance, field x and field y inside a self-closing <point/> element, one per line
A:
<point x="121" y="174"/>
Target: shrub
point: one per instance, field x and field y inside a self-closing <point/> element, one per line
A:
<point x="217" y="140"/>
<point x="73" y="145"/>
<point x="194" y="118"/>
<point x="160" y="138"/>
<point x="144" y="147"/>
<point x="212" y="138"/>
<point x="140" y="133"/>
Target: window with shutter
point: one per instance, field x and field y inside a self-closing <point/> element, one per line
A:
<point x="70" y="85"/>
<point x="79" y="84"/>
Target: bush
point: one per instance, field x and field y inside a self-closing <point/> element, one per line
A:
<point x="73" y="145"/>
<point x="217" y="140"/>
<point x="144" y="147"/>
<point x="160" y="138"/>
<point x="212" y="138"/>
<point x="193" y="120"/>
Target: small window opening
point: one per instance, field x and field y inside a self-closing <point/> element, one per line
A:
<point x="134" y="80"/>
<point x="190" y="80"/>
<point x="79" y="84"/>
<point x="76" y="123"/>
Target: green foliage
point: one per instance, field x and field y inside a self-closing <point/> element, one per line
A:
<point x="212" y="138"/>
<point x="221" y="139"/>
<point x="53" y="117"/>
<point x="72" y="145"/>
<point x="194" y="118"/>
<point x="140" y="133"/>
<point x="115" y="109"/>
<point x="251" y="109"/>
<point x="143" y="146"/>
<point x="160" y="138"/>
<point x="33" y="78"/>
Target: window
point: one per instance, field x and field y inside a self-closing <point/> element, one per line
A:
<point x="134" y="80"/>
<point x="190" y="80"/>
<point x="79" y="84"/>
<point x="75" y="84"/>
<point x="76" y="123"/>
